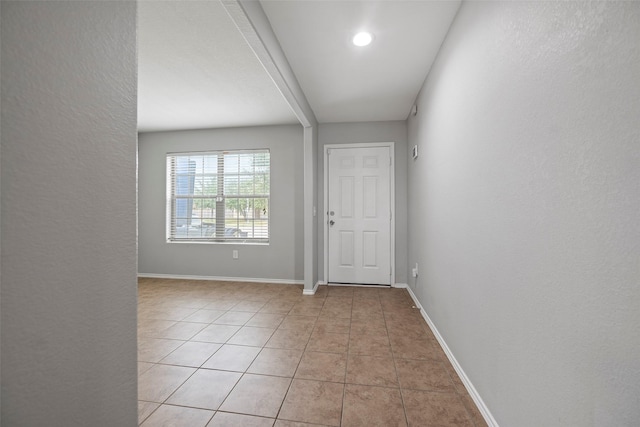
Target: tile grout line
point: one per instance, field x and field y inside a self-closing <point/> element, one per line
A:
<point x="297" y="366"/>
<point x="395" y="367"/>
<point x="346" y="369"/>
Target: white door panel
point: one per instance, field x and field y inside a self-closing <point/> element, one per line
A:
<point x="359" y="207"/>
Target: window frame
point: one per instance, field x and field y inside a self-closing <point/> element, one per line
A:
<point x="224" y="173"/>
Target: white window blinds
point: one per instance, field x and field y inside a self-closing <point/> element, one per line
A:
<point x="218" y="196"/>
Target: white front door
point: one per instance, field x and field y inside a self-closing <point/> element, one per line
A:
<point x="359" y="215"/>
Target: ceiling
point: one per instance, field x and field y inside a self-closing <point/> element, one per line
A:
<point x="197" y="71"/>
<point x="346" y="83"/>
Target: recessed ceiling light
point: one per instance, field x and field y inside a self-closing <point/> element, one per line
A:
<point x="362" y="39"/>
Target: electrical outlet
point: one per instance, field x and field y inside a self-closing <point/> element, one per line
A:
<point x="235" y="254"/>
<point x="414" y="271"/>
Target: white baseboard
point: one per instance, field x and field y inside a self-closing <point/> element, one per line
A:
<point x="311" y="291"/>
<point x="482" y="407"/>
<point x="220" y="278"/>
<point x="401" y="286"/>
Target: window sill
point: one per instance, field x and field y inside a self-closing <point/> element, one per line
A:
<point x="211" y="242"/>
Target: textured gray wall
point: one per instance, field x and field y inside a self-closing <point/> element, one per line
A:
<point x="69" y="214"/>
<point x="524" y="208"/>
<point x="281" y="259"/>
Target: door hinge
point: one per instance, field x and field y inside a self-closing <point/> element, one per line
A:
<point x="328" y="151"/>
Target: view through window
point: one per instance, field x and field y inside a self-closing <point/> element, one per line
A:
<point x="218" y="196"/>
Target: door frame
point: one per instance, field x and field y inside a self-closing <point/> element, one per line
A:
<point x="392" y="202"/>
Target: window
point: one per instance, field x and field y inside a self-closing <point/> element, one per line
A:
<point x="218" y="196"/>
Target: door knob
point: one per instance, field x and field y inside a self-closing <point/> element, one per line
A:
<point x="332" y="222"/>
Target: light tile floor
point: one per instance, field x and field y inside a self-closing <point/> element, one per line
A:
<point x="247" y="354"/>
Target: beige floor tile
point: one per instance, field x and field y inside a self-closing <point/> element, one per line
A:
<point x="182" y="331"/>
<point x="423" y="375"/>
<point x="277" y="307"/>
<point x="176" y="313"/>
<point x="248" y="306"/>
<point x="144" y="367"/>
<point x="205" y="389"/>
<point x="276" y="361"/>
<point x="261" y="334"/>
<point x="190" y="301"/>
<point x="369" y="345"/>
<point x="314" y="302"/>
<point x="473" y="410"/>
<point x="305" y="310"/>
<point x="232" y="358"/>
<point x="191" y="353"/>
<point x="321" y="292"/>
<point x="300" y="323"/>
<point x="341" y="313"/>
<point x="406" y="348"/>
<point x="176" y="416"/>
<point x="292" y="339"/>
<point x="266" y="320"/>
<point x="253" y="336"/>
<point x="157" y="384"/>
<point x="367" y="293"/>
<point x="328" y="342"/>
<point x="153" y="350"/>
<point x="372" y="406"/>
<point x="257" y="395"/>
<point x="368" y="304"/>
<point x="317" y="402"/>
<point x="221" y="304"/>
<point x="337" y="303"/>
<point x="457" y="382"/>
<point x="151" y="328"/>
<point x="425" y="408"/>
<point x="217" y="333"/>
<point x="405" y="316"/>
<point x="262" y="293"/>
<point x="366" y="316"/>
<point x="415" y="331"/>
<point x="369" y="307"/>
<point x="285" y="423"/>
<point x="204" y="316"/>
<point x="238" y="318"/>
<point x="322" y="366"/>
<point x="333" y="325"/>
<point x="368" y="326"/>
<point x="225" y="419"/>
<point x="340" y="291"/>
<point x="145" y="409"/>
<point x="371" y="370"/>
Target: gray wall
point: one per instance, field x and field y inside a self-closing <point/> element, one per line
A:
<point x="281" y="259"/>
<point x="317" y="218"/>
<point x="69" y="214"/>
<point x="524" y="208"/>
<point x="0" y="237"/>
<point x="349" y="133"/>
